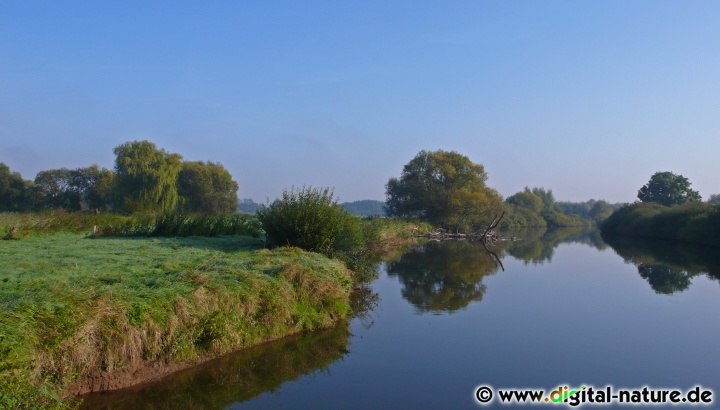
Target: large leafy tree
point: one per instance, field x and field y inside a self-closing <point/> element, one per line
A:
<point x="207" y="188"/>
<point x="445" y="188"/>
<point x="75" y="189"/>
<point x="58" y="189"/>
<point x="16" y="194"/>
<point x="145" y="178"/>
<point x="96" y="185"/>
<point x="668" y="189"/>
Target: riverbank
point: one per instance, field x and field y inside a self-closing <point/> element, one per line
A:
<point x="80" y="314"/>
<point x="77" y="312"/>
<point x="697" y="223"/>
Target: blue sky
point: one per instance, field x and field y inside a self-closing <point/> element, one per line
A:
<point x="586" y="98"/>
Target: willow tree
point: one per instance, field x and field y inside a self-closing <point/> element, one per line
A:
<point x="145" y="178"/>
<point x="444" y="188"/>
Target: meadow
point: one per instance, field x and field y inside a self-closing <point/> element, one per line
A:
<point x="73" y="308"/>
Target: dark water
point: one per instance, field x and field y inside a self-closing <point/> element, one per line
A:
<point x="444" y="318"/>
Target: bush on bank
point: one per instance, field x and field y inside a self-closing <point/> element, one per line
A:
<point x="311" y="219"/>
<point x="692" y="222"/>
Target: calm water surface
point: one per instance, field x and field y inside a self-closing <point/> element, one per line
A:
<point x="444" y="318"/>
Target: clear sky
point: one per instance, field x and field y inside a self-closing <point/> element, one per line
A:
<point x="588" y="98"/>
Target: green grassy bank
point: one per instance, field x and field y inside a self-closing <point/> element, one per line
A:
<point x="73" y="307"/>
<point x="697" y="223"/>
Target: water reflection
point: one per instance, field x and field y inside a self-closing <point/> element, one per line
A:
<point x="537" y="246"/>
<point x="447" y="276"/>
<point x="233" y="378"/>
<point x="443" y="276"/>
<point x="668" y="267"/>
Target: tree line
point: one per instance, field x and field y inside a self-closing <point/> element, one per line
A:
<point x="145" y="179"/>
<point x="450" y="191"/>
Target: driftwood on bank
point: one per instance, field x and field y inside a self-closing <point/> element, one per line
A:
<point x="487" y="237"/>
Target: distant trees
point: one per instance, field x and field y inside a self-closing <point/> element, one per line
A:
<point x="16" y="194"/>
<point x="668" y="189"/>
<point x="367" y="207"/>
<point x="145" y="178"/>
<point x="206" y="187"/>
<point x="536" y="207"/>
<point x="600" y="211"/>
<point x="526" y="199"/>
<point x="75" y="189"/>
<point x="444" y="188"/>
<point x="545" y="195"/>
<point x="714" y="199"/>
<point x="248" y="206"/>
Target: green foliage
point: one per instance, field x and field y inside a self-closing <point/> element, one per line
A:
<point x="183" y="225"/>
<point x="443" y="188"/>
<point x="527" y="200"/>
<point x="16" y="194"/>
<point x="537" y="208"/>
<point x="522" y="217"/>
<point x="48" y="222"/>
<point x="366" y="207"/>
<point x="600" y="211"/>
<point x="207" y="188"/>
<point x="90" y="305"/>
<point x="557" y="219"/>
<point x="666" y="188"/>
<point x="582" y="209"/>
<point x="311" y="219"/>
<point x="694" y="222"/>
<point x="57" y="190"/>
<point x="145" y="178"/>
<point x="95" y="186"/>
<point x="545" y="195"/>
<point x="714" y="199"/>
<point x="77" y="189"/>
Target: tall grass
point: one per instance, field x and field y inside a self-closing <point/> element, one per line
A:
<point x="72" y="307"/>
<point x="179" y="225"/>
<point x="15" y="225"/>
<point x="23" y="225"/>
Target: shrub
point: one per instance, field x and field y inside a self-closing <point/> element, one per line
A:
<point x="691" y="222"/>
<point x="311" y="219"/>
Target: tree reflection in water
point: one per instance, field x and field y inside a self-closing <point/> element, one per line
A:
<point x="668" y="267"/>
<point x="443" y="276"/>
